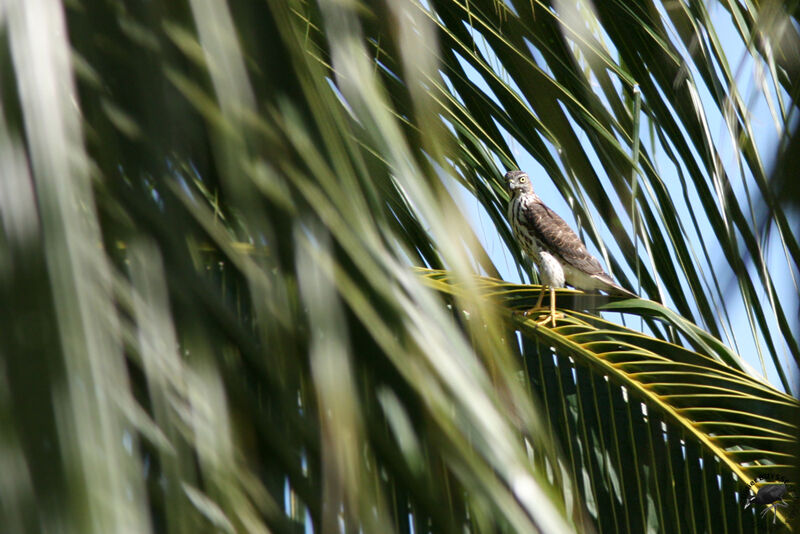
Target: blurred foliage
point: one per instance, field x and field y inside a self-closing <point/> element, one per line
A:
<point x="238" y="279"/>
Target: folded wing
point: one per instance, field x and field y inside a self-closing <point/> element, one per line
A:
<point x="555" y="236"/>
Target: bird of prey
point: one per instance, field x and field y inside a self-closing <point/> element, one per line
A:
<point x="557" y="251"/>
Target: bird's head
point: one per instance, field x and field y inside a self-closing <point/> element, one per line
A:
<point x="518" y="182"/>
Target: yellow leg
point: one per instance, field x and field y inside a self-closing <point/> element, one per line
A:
<point x="553" y="315"/>
<point x="538" y="303"/>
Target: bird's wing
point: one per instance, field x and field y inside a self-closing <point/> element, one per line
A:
<point x="557" y="237"/>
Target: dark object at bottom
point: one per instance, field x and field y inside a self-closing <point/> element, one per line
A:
<point x="771" y="495"/>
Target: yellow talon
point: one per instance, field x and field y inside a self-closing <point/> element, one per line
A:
<point x="550" y="318"/>
<point x="553" y="315"/>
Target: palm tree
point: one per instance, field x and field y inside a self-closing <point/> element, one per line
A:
<point x="242" y="289"/>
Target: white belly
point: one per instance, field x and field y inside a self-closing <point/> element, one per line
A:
<point x="550" y="270"/>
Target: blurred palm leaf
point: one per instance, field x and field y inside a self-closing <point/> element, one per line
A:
<point x="209" y="213"/>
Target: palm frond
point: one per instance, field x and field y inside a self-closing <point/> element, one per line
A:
<point x="685" y="430"/>
<point x="210" y="216"/>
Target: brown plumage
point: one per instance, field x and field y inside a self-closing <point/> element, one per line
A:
<point x="558" y="252"/>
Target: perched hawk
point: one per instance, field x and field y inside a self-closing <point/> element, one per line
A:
<point x="557" y="251"/>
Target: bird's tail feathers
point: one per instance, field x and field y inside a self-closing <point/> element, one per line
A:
<point x="619" y="291"/>
<point x="610" y="287"/>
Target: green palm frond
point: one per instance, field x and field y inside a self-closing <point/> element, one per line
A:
<point x="537" y="107"/>
<point x="677" y="414"/>
<point x="239" y="265"/>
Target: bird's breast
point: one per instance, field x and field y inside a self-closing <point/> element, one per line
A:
<point x="516" y="216"/>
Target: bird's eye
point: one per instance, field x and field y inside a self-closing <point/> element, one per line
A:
<point x="522" y="179"/>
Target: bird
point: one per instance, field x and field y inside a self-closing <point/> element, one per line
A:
<point x="559" y="254"/>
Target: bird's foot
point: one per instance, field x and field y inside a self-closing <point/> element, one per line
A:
<point x="550" y="318"/>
